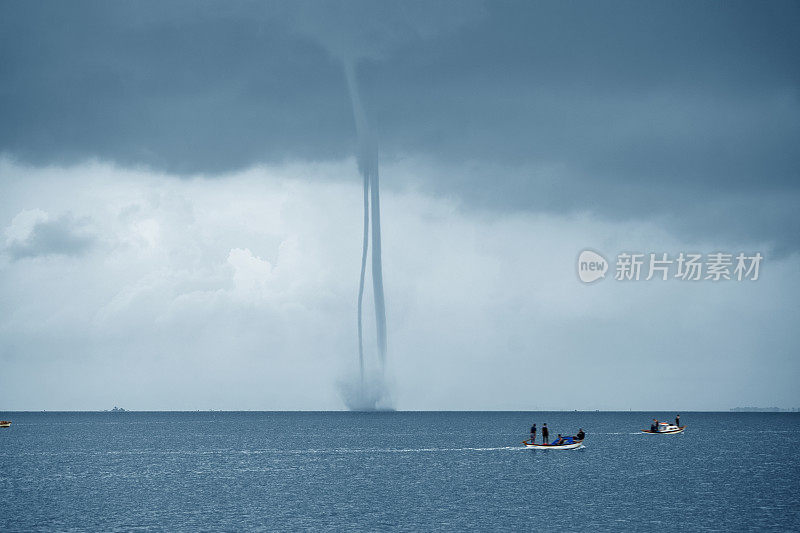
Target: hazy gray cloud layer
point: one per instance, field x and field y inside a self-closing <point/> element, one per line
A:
<point x="239" y="293"/>
<point x="34" y="234"/>
<point x="626" y="109"/>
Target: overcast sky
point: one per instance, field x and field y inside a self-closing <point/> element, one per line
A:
<point x="180" y="207"/>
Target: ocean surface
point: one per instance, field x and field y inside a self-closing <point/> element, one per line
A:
<point x="405" y="471"/>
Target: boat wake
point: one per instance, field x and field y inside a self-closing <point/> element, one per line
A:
<point x="397" y="450"/>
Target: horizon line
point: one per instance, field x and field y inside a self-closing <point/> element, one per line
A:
<point x="731" y="410"/>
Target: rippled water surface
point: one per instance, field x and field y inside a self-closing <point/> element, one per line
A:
<point x="402" y="471"/>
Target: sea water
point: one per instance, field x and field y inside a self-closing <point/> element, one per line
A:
<point x="406" y="471"/>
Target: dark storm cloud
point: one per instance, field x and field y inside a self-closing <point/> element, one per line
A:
<point x="61" y="236"/>
<point x="627" y="109"/>
<point x="174" y="87"/>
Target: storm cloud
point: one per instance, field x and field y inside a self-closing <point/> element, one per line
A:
<point x="35" y="234"/>
<point x="630" y="110"/>
<point x="179" y="196"/>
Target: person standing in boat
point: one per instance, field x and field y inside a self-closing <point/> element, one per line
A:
<point x="533" y="434"/>
<point x="545" y="433"/>
<point x="580" y="435"/>
<point x="678" y="420"/>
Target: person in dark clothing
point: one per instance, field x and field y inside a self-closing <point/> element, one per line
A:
<point x="545" y="433"/>
<point x="533" y="434"/>
<point x="678" y="420"/>
<point x="652" y="428"/>
<point x="580" y="434"/>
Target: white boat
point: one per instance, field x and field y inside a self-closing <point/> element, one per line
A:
<point x="574" y="445"/>
<point x="665" y="428"/>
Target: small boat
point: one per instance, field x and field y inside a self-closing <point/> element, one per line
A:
<point x="569" y="444"/>
<point x="665" y="428"/>
<point x="5" y="423"/>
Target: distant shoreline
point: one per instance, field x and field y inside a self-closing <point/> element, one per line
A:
<point x="764" y="410"/>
